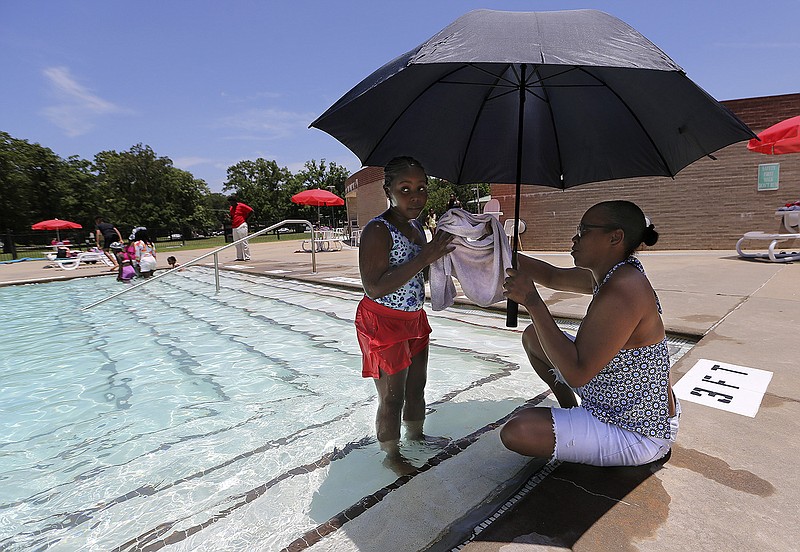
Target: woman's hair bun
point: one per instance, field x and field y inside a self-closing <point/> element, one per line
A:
<point x="650" y="236"/>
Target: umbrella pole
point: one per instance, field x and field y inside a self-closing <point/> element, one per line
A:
<point x="512" y="308"/>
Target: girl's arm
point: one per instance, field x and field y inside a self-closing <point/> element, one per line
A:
<point x="377" y="276"/>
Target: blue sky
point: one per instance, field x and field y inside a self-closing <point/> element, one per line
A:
<point x="209" y="84"/>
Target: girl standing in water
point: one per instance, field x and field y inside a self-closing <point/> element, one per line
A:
<point x="391" y="325"/>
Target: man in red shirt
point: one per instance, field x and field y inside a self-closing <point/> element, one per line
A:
<point x="239" y="215"/>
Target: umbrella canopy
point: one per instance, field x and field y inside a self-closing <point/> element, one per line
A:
<point x="56" y="224"/>
<point x="549" y="98"/>
<point x="780" y="138"/>
<point x="600" y="100"/>
<point x="318" y="197"/>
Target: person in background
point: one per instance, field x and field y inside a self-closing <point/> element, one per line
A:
<point x="454" y="202"/>
<point x="240" y="212"/>
<point x="391" y="325"/>
<point x="125" y="272"/>
<point x="106" y="234"/>
<point x="130" y="249"/>
<point x="429" y="227"/>
<point x="172" y="262"/>
<point x="618" y="363"/>
<point x="145" y="252"/>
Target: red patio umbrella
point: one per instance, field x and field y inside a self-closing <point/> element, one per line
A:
<point x="780" y="138"/>
<point x="56" y="224"/>
<point x="318" y="197"/>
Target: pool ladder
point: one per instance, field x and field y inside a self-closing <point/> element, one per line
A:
<point x="215" y="254"/>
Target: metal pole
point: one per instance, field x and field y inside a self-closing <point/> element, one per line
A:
<point x="512" y="308"/>
<point x="313" y="253"/>
<point x="216" y="270"/>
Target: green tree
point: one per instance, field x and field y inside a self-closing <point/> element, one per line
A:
<point x="439" y="192"/>
<point x="218" y="208"/>
<point x="327" y="176"/>
<point x="262" y="185"/>
<point x="143" y="189"/>
<point x="36" y="184"/>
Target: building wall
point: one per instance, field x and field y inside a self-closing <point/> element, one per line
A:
<point x="370" y="200"/>
<point x="708" y="205"/>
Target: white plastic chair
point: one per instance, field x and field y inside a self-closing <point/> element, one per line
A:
<point x="492" y="207"/>
<point x="508" y="227"/>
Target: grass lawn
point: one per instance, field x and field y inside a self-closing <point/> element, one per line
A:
<point x="219" y="241"/>
<point x="163" y="247"/>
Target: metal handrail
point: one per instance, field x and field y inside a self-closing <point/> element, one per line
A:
<point x="215" y="253"/>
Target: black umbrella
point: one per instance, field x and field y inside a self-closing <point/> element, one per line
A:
<point x="548" y="98"/>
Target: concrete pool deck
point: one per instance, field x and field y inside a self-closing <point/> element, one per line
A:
<point x="731" y="482"/>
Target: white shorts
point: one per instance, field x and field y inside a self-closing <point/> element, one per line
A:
<point x="147" y="263"/>
<point x="583" y="439"/>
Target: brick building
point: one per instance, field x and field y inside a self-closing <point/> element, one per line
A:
<point x="708" y="205"/>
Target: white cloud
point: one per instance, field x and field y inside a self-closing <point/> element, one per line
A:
<point x="187" y="162"/>
<point x="77" y="106"/>
<point x="272" y="124"/>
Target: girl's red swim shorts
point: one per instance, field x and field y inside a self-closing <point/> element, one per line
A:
<point x="389" y="338"/>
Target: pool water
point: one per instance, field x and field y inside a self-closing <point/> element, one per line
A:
<point x="176" y="417"/>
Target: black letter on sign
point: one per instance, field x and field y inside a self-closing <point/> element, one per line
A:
<point x="724" y="398"/>
<point x="718" y="367"/>
<point x="707" y="379"/>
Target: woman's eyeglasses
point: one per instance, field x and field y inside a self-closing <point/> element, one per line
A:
<point x="582" y="228"/>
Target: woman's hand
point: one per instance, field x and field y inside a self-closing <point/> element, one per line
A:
<point x="520" y="288"/>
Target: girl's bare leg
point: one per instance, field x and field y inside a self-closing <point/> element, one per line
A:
<point x="414" y="407"/>
<point x="391" y="393"/>
<point x="391" y="399"/>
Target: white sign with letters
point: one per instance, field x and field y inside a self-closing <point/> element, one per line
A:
<point x="737" y="389"/>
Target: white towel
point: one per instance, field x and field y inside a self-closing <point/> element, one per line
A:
<point x="479" y="261"/>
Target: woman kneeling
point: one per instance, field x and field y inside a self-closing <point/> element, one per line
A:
<point x="618" y="363"/>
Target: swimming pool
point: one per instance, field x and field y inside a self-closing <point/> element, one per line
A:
<point x="174" y="417"/>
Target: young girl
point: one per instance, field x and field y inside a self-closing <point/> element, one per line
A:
<point x="145" y="253"/>
<point x="391" y="326"/>
<point x="125" y="270"/>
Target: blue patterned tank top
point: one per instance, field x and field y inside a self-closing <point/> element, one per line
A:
<point x="411" y="296"/>
<point x="631" y="391"/>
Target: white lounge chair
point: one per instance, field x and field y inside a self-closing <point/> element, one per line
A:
<point x="86" y="257"/>
<point x="791" y="221"/>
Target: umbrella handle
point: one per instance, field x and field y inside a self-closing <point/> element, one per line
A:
<point x="512" y="309"/>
